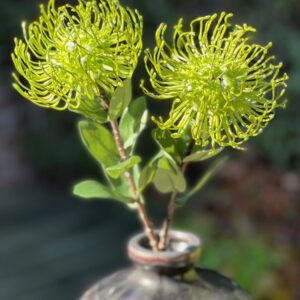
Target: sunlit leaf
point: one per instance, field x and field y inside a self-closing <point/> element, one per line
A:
<point x="173" y="148"/>
<point x="120" y="100"/>
<point x="99" y="142"/>
<point x="133" y="122"/>
<point x="202" y="155"/>
<point x="119" y="169"/>
<point x="91" y="189"/>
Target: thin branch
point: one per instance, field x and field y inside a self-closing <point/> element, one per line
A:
<point x="163" y="234"/>
<point x="148" y="227"/>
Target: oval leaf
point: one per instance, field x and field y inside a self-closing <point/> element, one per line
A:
<point x="120" y="100"/>
<point x="133" y="122"/>
<point x="117" y="170"/>
<point x="168" y="177"/>
<point x="173" y="148"/>
<point x="146" y="176"/>
<point x="99" y="142"/>
<point x="202" y="155"/>
<point x="89" y="189"/>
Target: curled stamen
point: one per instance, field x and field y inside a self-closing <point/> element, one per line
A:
<point x="225" y="88"/>
<point x="71" y="51"/>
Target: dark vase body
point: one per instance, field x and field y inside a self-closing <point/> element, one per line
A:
<point x="168" y="275"/>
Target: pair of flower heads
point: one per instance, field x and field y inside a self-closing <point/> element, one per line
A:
<point x="222" y="87"/>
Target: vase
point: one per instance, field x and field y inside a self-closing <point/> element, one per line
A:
<point x="166" y="275"/>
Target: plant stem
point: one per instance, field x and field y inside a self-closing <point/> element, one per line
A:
<point x="163" y="234"/>
<point x="148" y="227"/>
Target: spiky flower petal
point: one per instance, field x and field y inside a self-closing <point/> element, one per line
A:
<point x="72" y="52"/>
<point x="224" y="89"/>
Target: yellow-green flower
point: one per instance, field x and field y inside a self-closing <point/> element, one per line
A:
<point x="77" y="52"/>
<point x="224" y="89"/>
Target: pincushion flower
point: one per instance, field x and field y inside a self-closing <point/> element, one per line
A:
<point x="77" y="52"/>
<point x="224" y="89"/>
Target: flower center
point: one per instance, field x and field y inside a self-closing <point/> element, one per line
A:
<point x="217" y="80"/>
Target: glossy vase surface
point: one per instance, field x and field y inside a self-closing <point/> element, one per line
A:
<point x="166" y="275"/>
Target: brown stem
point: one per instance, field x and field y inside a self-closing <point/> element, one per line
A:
<point x="148" y="227"/>
<point x="163" y="234"/>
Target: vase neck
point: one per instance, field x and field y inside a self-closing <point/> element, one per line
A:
<point x="181" y="254"/>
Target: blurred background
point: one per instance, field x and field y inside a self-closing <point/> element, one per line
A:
<point x="53" y="246"/>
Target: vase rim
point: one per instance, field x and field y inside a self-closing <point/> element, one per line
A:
<point x="185" y="250"/>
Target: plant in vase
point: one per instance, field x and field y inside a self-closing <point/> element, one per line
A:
<point x="223" y="90"/>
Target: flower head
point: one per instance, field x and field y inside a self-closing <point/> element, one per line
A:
<point x="72" y="52"/>
<point x="224" y="89"/>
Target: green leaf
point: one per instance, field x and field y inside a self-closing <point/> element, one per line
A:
<point x="119" y="169"/>
<point x="120" y="186"/>
<point x="173" y="148"/>
<point x="133" y="122"/>
<point x="92" y="109"/>
<point x="212" y="170"/>
<point x="120" y="100"/>
<point x="99" y="142"/>
<point x="168" y="177"/>
<point x="202" y="155"/>
<point x="92" y="189"/>
<point x="146" y="176"/>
